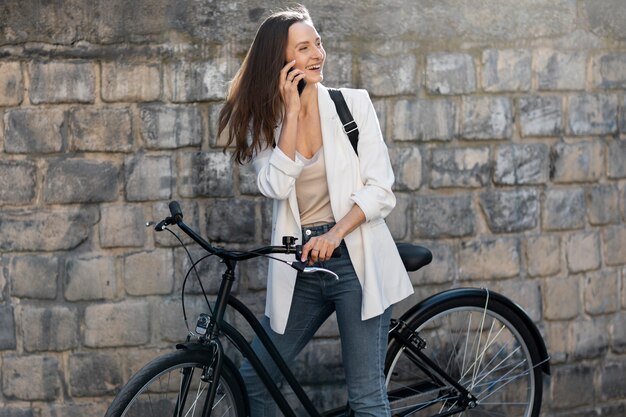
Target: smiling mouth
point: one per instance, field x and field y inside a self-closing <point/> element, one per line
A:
<point x="314" y="67"/>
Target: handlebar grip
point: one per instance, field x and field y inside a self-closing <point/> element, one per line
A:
<point x="175" y="210"/>
<point x="336" y="252"/>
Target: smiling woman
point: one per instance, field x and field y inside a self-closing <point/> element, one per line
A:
<point x="324" y="196"/>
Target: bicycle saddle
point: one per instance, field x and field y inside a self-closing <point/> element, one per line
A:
<point x="413" y="256"/>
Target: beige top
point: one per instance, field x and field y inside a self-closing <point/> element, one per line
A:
<point x="312" y="191"/>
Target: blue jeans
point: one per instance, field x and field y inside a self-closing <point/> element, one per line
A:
<point x="363" y="343"/>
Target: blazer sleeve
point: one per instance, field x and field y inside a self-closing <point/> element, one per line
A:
<point x="276" y="173"/>
<point x="376" y="198"/>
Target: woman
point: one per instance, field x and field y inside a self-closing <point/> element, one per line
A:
<point x="324" y="195"/>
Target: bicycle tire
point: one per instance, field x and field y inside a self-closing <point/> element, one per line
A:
<point x="504" y="371"/>
<point x="155" y="389"/>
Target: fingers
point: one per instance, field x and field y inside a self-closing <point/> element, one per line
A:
<point x="289" y="77"/>
<point x="318" y="249"/>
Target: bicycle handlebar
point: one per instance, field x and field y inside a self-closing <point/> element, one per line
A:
<point x="288" y="246"/>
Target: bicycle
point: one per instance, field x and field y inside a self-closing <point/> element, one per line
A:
<point x="464" y="351"/>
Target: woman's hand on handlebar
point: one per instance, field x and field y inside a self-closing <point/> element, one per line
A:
<point x="320" y="248"/>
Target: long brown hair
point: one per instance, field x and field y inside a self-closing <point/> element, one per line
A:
<point x="254" y="105"/>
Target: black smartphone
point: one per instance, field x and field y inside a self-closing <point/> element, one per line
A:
<point x="301" y="83"/>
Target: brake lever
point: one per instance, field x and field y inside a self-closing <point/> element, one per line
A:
<point x="301" y="266"/>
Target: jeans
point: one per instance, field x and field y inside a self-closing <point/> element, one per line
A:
<point x="363" y="343"/>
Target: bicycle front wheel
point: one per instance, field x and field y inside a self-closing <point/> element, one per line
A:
<point x="485" y="347"/>
<point x="177" y="384"/>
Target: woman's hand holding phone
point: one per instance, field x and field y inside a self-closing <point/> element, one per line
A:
<point x="290" y="77"/>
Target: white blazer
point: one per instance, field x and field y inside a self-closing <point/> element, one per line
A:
<point x="365" y="180"/>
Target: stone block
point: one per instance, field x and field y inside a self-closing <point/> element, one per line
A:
<point x="407" y="167"/>
<point x="62" y="82"/>
<point x="148" y="177"/>
<point x="319" y="362"/>
<point x="616" y="155"/>
<point x="618" y="333"/>
<point x="522" y="164"/>
<point x="205" y="174"/>
<point x="612" y="381"/>
<point x="101" y="129"/>
<point x="614" y="245"/>
<point x="605" y="18"/>
<point x="7" y="328"/>
<point x="571" y="386"/>
<point x="560" y="70"/>
<point x="81" y="181"/>
<point x="622" y="117"/>
<point x="542" y="255"/>
<point x="577" y="161"/>
<point x="557" y="336"/>
<point x="608" y="70"/>
<point x="247" y="180"/>
<point x="117" y="324"/>
<point x="540" y="115"/>
<point x="603" y="204"/>
<point x="34" y="276"/>
<point x="31" y="378"/>
<point x="561" y="298"/>
<point x="11" y="84"/>
<point x="9" y="411"/>
<point x="592" y="114"/>
<point x="399" y="218"/>
<point x="170" y="315"/>
<point x="424" y="120"/>
<point x="93" y="374"/>
<point x="231" y="220"/>
<point x="149" y="273"/>
<point x="33" y="131"/>
<point x="123" y="81"/>
<point x="510" y="211"/>
<point x="583" y="251"/>
<point x="524" y="292"/>
<point x="93" y="278"/>
<point x="463" y="167"/>
<point x="215" y="140"/>
<point x="591" y="338"/>
<point x="170" y="127"/>
<point x="188" y="81"/>
<point x="489" y="258"/>
<point x="441" y="270"/>
<point x="564" y="209"/>
<point x="486" y="118"/>
<point x="92" y="408"/>
<point x="18" y="180"/>
<point x="338" y="69"/>
<point x="443" y="216"/>
<point x="53" y="328"/>
<point x="45" y="229"/>
<point x="388" y="75"/>
<point x="122" y="225"/>
<point x="601" y="292"/>
<point x="506" y="70"/>
<point x="254" y="274"/>
<point x="450" y="73"/>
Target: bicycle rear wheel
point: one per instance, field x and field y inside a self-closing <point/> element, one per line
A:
<point x="177" y="384"/>
<point x="485" y="347"/>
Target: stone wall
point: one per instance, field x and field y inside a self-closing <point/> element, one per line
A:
<point x="506" y="122"/>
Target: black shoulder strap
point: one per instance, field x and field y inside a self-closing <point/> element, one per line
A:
<point x="349" y="125"/>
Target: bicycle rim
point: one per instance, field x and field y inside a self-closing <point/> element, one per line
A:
<point x="177" y="386"/>
<point x="487" y="350"/>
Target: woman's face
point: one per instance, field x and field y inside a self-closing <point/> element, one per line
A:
<point x="305" y="46"/>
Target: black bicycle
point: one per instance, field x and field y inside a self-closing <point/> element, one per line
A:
<point x="462" y="352"/>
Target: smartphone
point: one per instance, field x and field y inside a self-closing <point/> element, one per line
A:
<point x="301" y="83"/>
